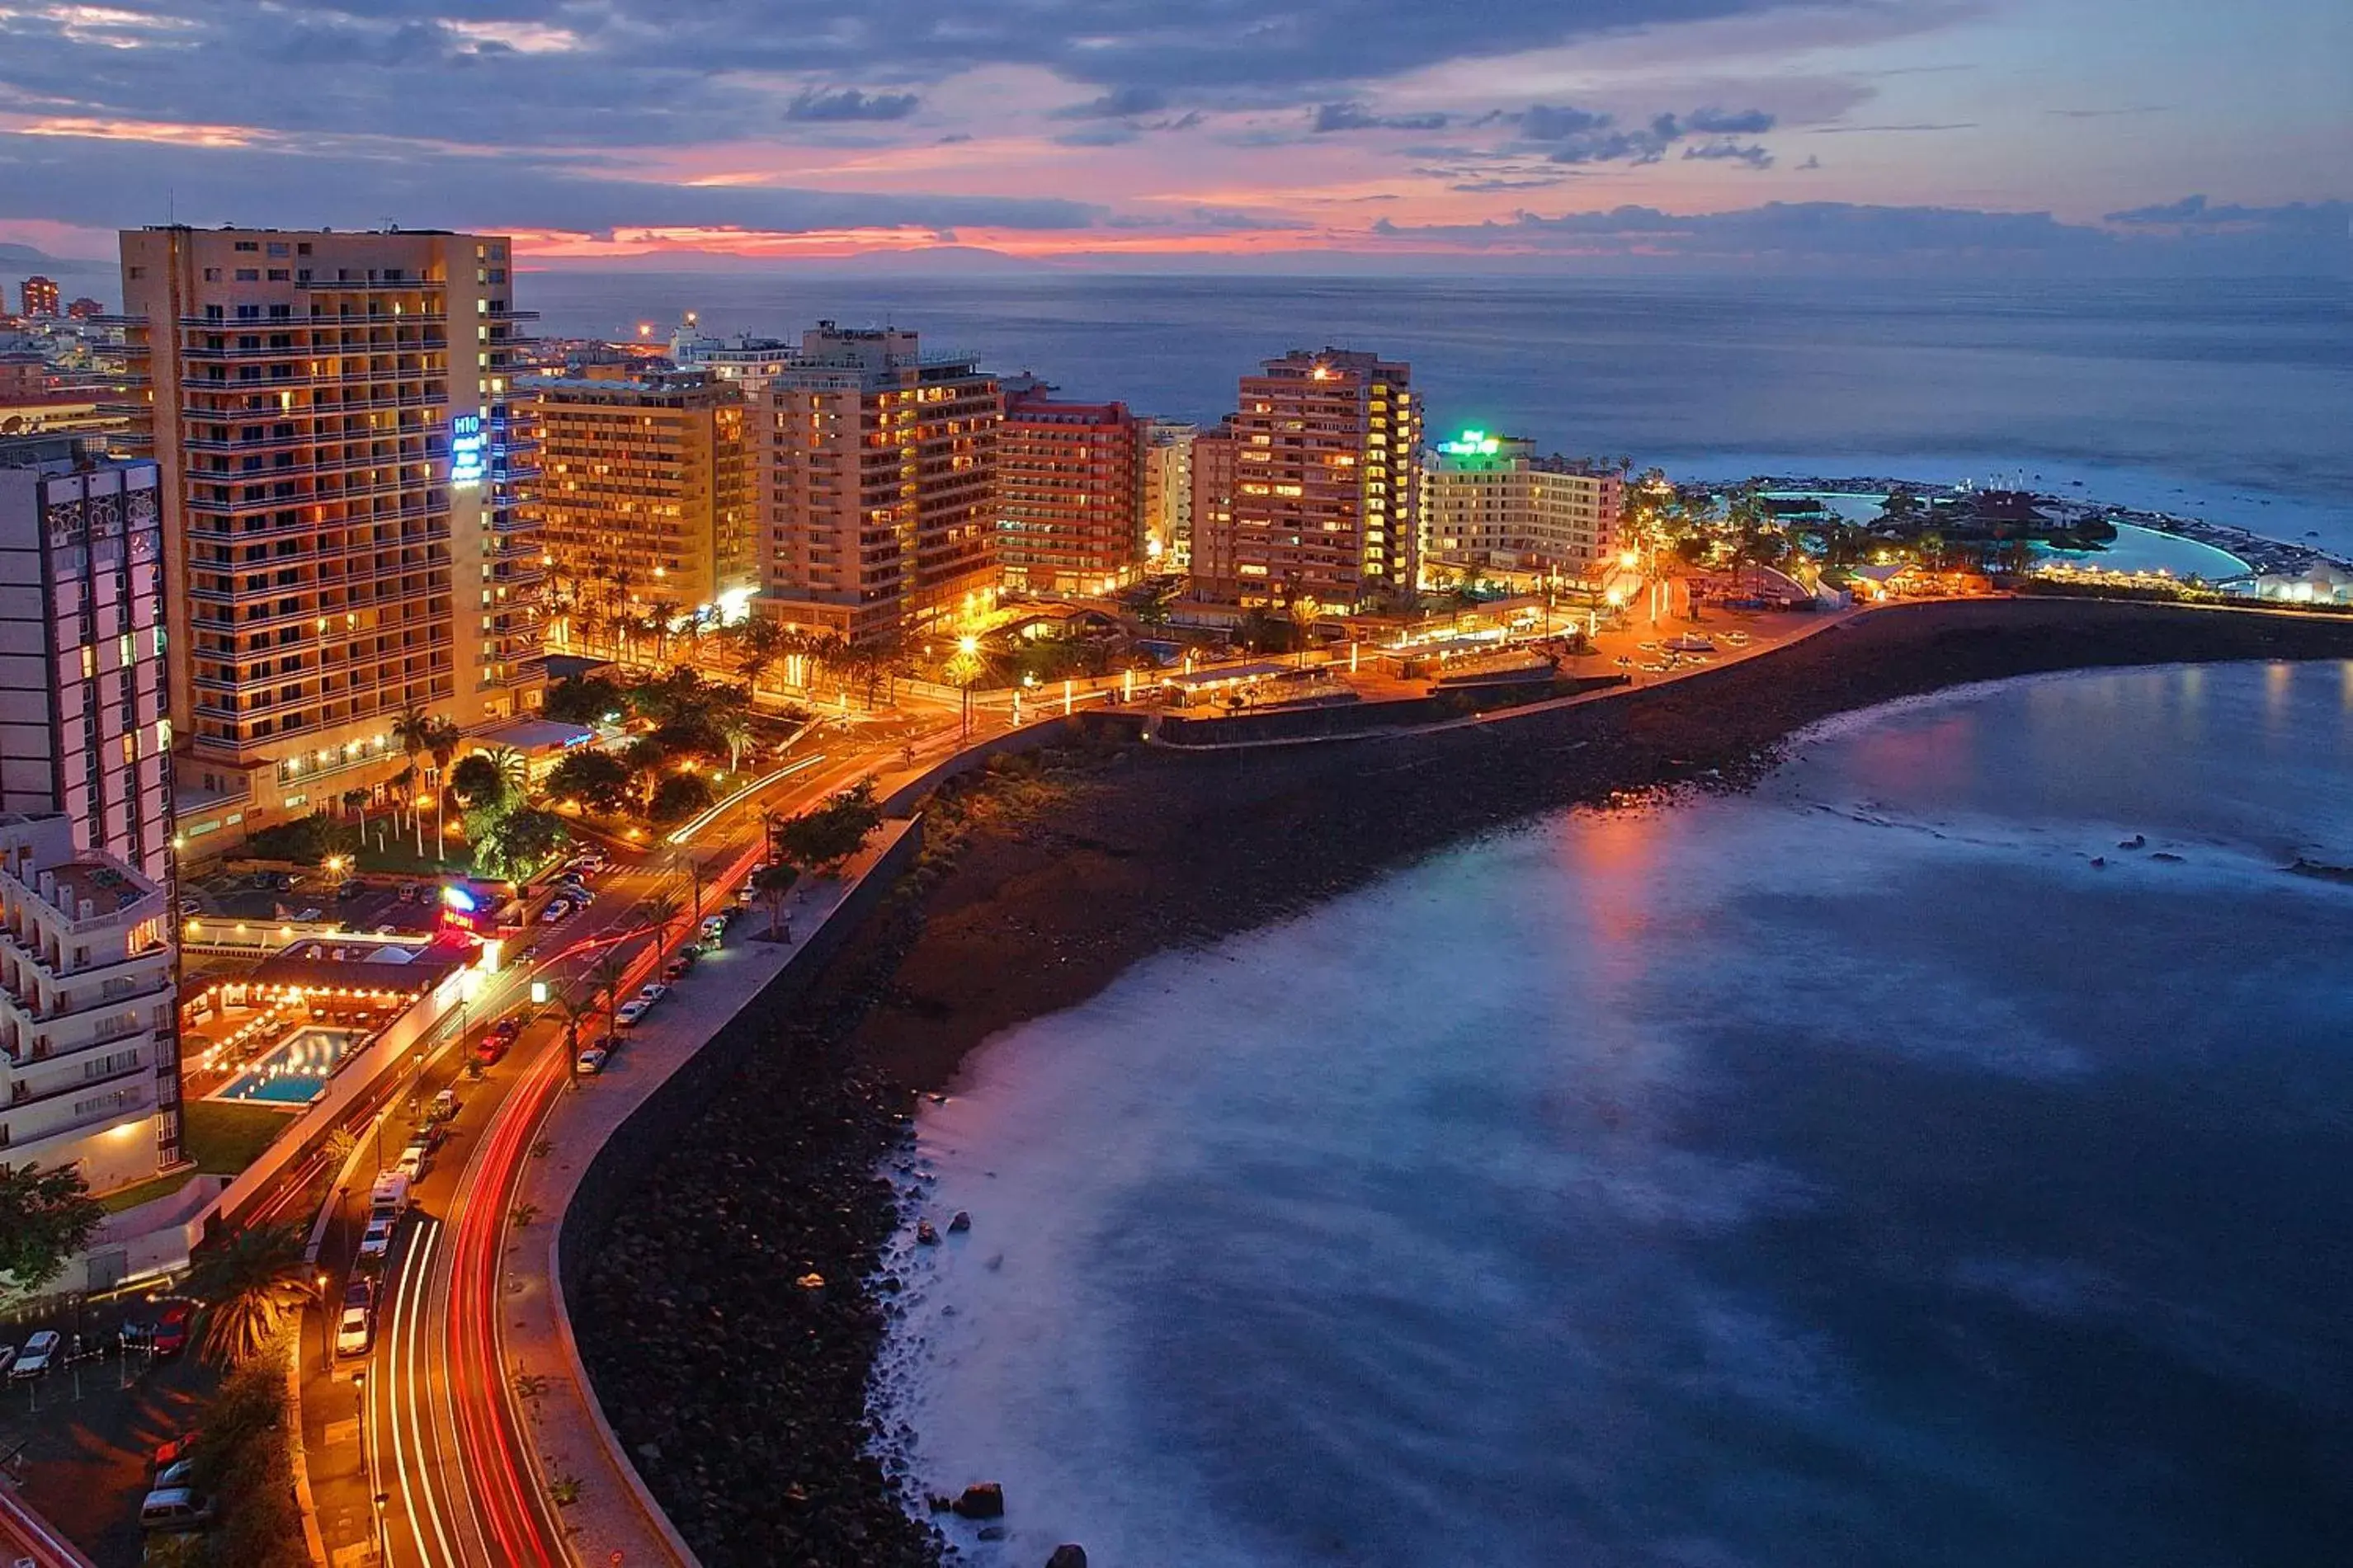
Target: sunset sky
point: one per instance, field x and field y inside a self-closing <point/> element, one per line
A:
<point x="2078" y="134"/>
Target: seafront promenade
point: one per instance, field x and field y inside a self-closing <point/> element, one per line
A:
<point x="611" y="1117"/>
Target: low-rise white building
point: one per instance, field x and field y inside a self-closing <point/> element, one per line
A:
<point x="88" y="1029"/>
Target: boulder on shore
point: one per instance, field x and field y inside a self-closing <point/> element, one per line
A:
<point x="982" y="1499"/>
<point x="926" y="1235"/>
<point x="1068" y="1556"/>
<point x="962" y="1223"/>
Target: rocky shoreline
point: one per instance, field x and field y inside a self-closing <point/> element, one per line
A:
<point x="741" y="1388"/>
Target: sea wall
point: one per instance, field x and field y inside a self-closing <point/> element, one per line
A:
<point x="617" y="1169"/>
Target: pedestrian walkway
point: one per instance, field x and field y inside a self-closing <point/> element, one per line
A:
<point x="613" y="1519"/>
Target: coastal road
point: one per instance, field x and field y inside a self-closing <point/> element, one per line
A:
<point x="454" y="1473"/>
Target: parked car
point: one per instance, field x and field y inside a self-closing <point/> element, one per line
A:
<point x="172" y="1327"/>
<point x="491" y="1049"/>
<point x="175" y="1474"/>
<point x="413" y="1160"/>
<point x="630" y="1012"/>
<point x="175" y="1508"/>
<point x="715" y="925"/>
<point x="675" y="970"/>
<point x="444" y="1106"/>
<point x="359" y="1291"/>
<point x="557" y="908"/>
<point x="32" y="1360"/>
<point x="349" y="889"/>
<point x="432" y="1134"/>
<point x="178" y="1448"/>
<point x="377" y="1241"/>
<point x="355" y="1333"/>
<point x="409" y="891"/>
<point x="592" y="1060"/>
<point x="651" y="991"/>
<point x="192" y="906"/>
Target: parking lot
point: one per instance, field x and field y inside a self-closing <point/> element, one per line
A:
<point x="81" y="1438"/>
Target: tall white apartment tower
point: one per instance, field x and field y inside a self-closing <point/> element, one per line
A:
<point x="89" y="1053"/>
<point x="346" y="478"/>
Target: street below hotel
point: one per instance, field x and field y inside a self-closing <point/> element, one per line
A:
<point x="419" y="1450"/>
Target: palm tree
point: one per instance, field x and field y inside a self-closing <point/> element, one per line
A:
<point x="513" y="767"/>
<point x="1304" y="611"/>
<point x="735" y="727"/>
<point x="355" y="802"/>
<point x="413" y="731"/>
<point x="763" y="642"/>
<point x="579" y="1008"/>
<point x="610" y="973"/>
<point x="657" y="910"/>
<point x="252" y="1289"/>
<point x="442" y="739"/>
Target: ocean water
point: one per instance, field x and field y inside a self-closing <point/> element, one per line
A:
<point x="1883" y="1167"/>
<point x="2229" y="399"/>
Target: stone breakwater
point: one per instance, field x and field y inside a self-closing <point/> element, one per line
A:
<point x="742" y="1391"/>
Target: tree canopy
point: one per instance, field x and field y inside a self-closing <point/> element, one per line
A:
<point x="478" y="780"/>
<point x="598" y="780"/>
<point x="46" y="1217"/>
<point x="820" y="839"/>
<point x="679" y="795"/>
<point x="584" y="699"/>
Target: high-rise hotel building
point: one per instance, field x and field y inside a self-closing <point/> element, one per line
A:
<point x="875" y="469"/>
<point x="1492" y="501"/>
<point x="1326" y="484"/>
<point x="89" y="1058"/>
<point x="346" y="470"/>
<point x="1070" y="494"/>
<point x="645" y="494"/>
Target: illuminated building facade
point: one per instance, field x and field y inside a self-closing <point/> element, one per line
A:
<point x="1327" y="483"/>
<point x="89" y="1071"/>
<point x="1069" y="515"/>
<point x="1211" y="549"/>
<point x="1169" y="494"/>
<point x="88" y="1043"/>
<point x="875" y="470"/>
<point x="644" y="495"/>
<point x="37" y="297"/>
<point x="349" y="528"/>
<point x="1491" y="502"/>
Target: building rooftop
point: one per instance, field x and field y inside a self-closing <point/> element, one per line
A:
<point x="366" y="963"/>
<point x="533" y="734"/>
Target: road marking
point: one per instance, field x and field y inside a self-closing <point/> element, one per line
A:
<point x="415" y="1356"/>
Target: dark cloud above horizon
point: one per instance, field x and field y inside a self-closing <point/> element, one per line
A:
<point x="2185" y="235"/>
<point x="1570" y="135"/>
<point x="637" y="72"/>
<point x="849" y="103"/>
<point x="105" y="185"/>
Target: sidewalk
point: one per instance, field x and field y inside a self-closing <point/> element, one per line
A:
<point x="615" y="1518"/>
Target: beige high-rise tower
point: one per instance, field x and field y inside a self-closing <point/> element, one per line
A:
<point x="1326" y="484"/>
<point x="876" y="470"/>
<point x="348" y="529"/>
<point x="644" y="501"/>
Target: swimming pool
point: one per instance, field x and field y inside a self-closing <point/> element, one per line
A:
<point x="296" y="1069"/>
